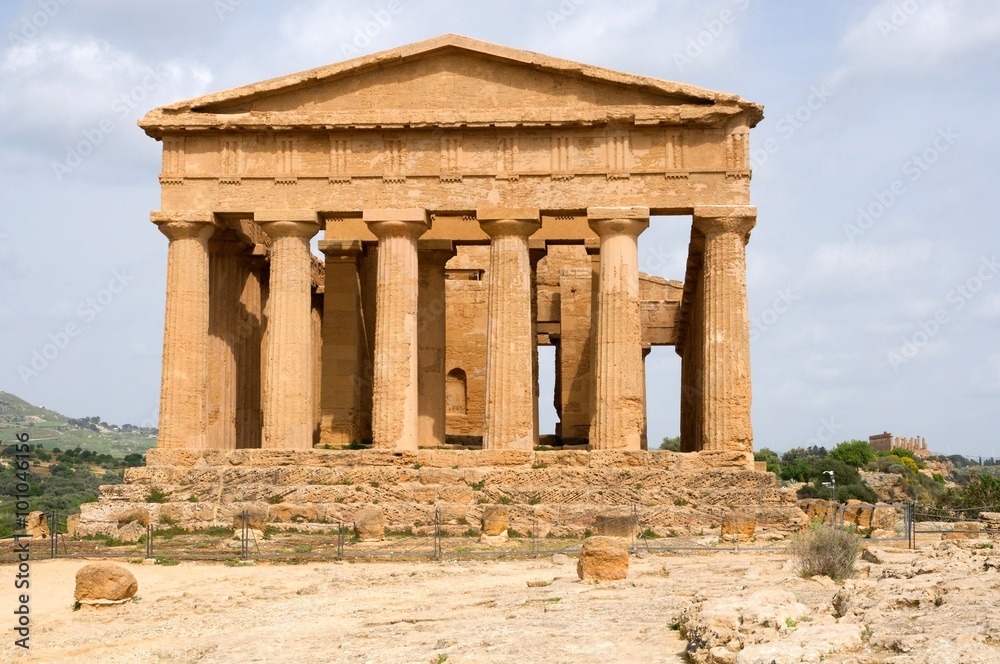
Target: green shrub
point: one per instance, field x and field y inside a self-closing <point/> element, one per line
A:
<point x="826" y="550"/>
<point x="855" y="453"/>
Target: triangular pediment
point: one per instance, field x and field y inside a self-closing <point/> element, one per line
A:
<point x="453" y="80"/>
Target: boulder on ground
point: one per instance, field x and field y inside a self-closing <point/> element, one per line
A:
<point x="496" y="520"/>
<point x="131" y="532"/>
<point x="104" y="583"/>
<point x="37" y="525"/>
<point x="369" y="524"/>
<point x="72" y="524"/>
<point x="602" y="559"/>
<point x="738" y="526"/>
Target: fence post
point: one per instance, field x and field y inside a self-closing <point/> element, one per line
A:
<point x="534" y="537"/>
<point x="437" y="533"/>
<point x="53" y="533"/>
<point x="149" y="540"/>
<point x="244" y="535"/>
<point x="340" y="540"/>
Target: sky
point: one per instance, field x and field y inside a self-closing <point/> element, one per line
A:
<point x="872" y="273"/>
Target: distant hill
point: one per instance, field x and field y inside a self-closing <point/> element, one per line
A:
<point x="14" y="409"/>
<point x="50" y="429"/>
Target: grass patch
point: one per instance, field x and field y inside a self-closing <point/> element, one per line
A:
<point x="275" y="500"/>
<point x="156" y="496"/>
<point x="827" y="551"/>
<point x="477" y="486"/>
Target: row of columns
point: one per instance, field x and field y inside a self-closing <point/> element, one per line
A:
<point x="404" y="412"/>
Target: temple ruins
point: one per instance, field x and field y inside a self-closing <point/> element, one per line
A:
<point x="470" y="203"/>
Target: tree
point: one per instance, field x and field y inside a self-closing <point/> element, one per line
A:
<point x="672" y="444"/>
<point x="771" y="458"/>
<point x="855" y="453"/>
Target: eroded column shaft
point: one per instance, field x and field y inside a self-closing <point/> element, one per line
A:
<point x="619" y="408"/>
<point x="288" y="376"/>
<point x="509" y="418"/>
<point x="395" y="399"/>
<point x="725" y="328"/>
<point x="184" y="386"/>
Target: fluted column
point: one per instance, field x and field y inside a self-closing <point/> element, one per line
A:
<point x="288" y="376"/>
<point x="725" y="330"/>
<point x="225" y="288"/>
<point x="396" y="397"/>
<point x="431" y="334"/>
<point x="510" y="381"/>
<point x="619" y="414"/>
<point x="184" y="385"/>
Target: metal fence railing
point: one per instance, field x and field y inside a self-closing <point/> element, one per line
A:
<point x="730" y="529"/>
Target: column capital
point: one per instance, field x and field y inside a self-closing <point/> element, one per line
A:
<point x="717" y="219"/>
<point x="504" y="222"/>
<point x="287" y="223"/>
<point x="608" y="221"/>
<point x="183" y="224"/>
<point x="396" y="222"/>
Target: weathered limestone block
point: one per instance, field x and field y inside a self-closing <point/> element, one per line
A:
<point x="104" y="583"/>
<point x="369" y="524"/>
<point x="72" y="524"/>
<point x="132" y="531"/>
<point x="738" y="525"/>
<point x="495" y="520"/>
<point x="138" y="515"/>
<point x="616" y="525"/>
<point x="37" y="525"/>
<point x="963" y="530"/>
<point x="187" y="514"/>
<point x="292" y="513"/>
<point x="602" y="559"/>
<point x="256" y="516"/>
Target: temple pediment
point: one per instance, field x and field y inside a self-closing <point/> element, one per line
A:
<point x="453" y="81"/>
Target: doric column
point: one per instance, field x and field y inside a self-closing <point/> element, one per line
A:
<point x="725" y="329"/>
<point x="509" y="418"/>
<point x="340" y="398"/>
<point x="431" y="325"/>
<point x="225" y="288"/>
<point x="249" y="420"/>
<point x="288" y="376"/>
<point x="184" y="385"/>
<point x="396" y="397"/>
<point x="618" y="418"/>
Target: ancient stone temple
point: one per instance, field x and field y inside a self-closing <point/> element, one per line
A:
<point x="470" y="202"/>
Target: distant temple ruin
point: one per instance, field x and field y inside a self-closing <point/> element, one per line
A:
<point x="885" y="441"/>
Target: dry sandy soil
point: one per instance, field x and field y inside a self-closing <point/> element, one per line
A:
<point x="940" y="605"/>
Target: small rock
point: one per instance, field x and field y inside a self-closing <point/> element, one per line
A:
<point x="369" y="524"/>
<point x="539" y="584"/>
<point x="602" y="559"/>
<point x="559" y="559"/>
<point x="37" y="526"/>
<point x="496" y="520"/>
<point x="104" y="583"/>
<point x="131" y="532"/>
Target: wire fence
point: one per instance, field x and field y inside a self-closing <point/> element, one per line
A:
<point x="743" y="529"/>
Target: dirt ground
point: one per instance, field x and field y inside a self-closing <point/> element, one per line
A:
<point x="424" y="612"/>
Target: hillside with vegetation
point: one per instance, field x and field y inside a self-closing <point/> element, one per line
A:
<point x="70" y="457"/>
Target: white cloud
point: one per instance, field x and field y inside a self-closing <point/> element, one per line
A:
<point x="912" y="36"/>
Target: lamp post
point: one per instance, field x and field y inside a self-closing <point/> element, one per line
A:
<point x="832" y="483"/>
